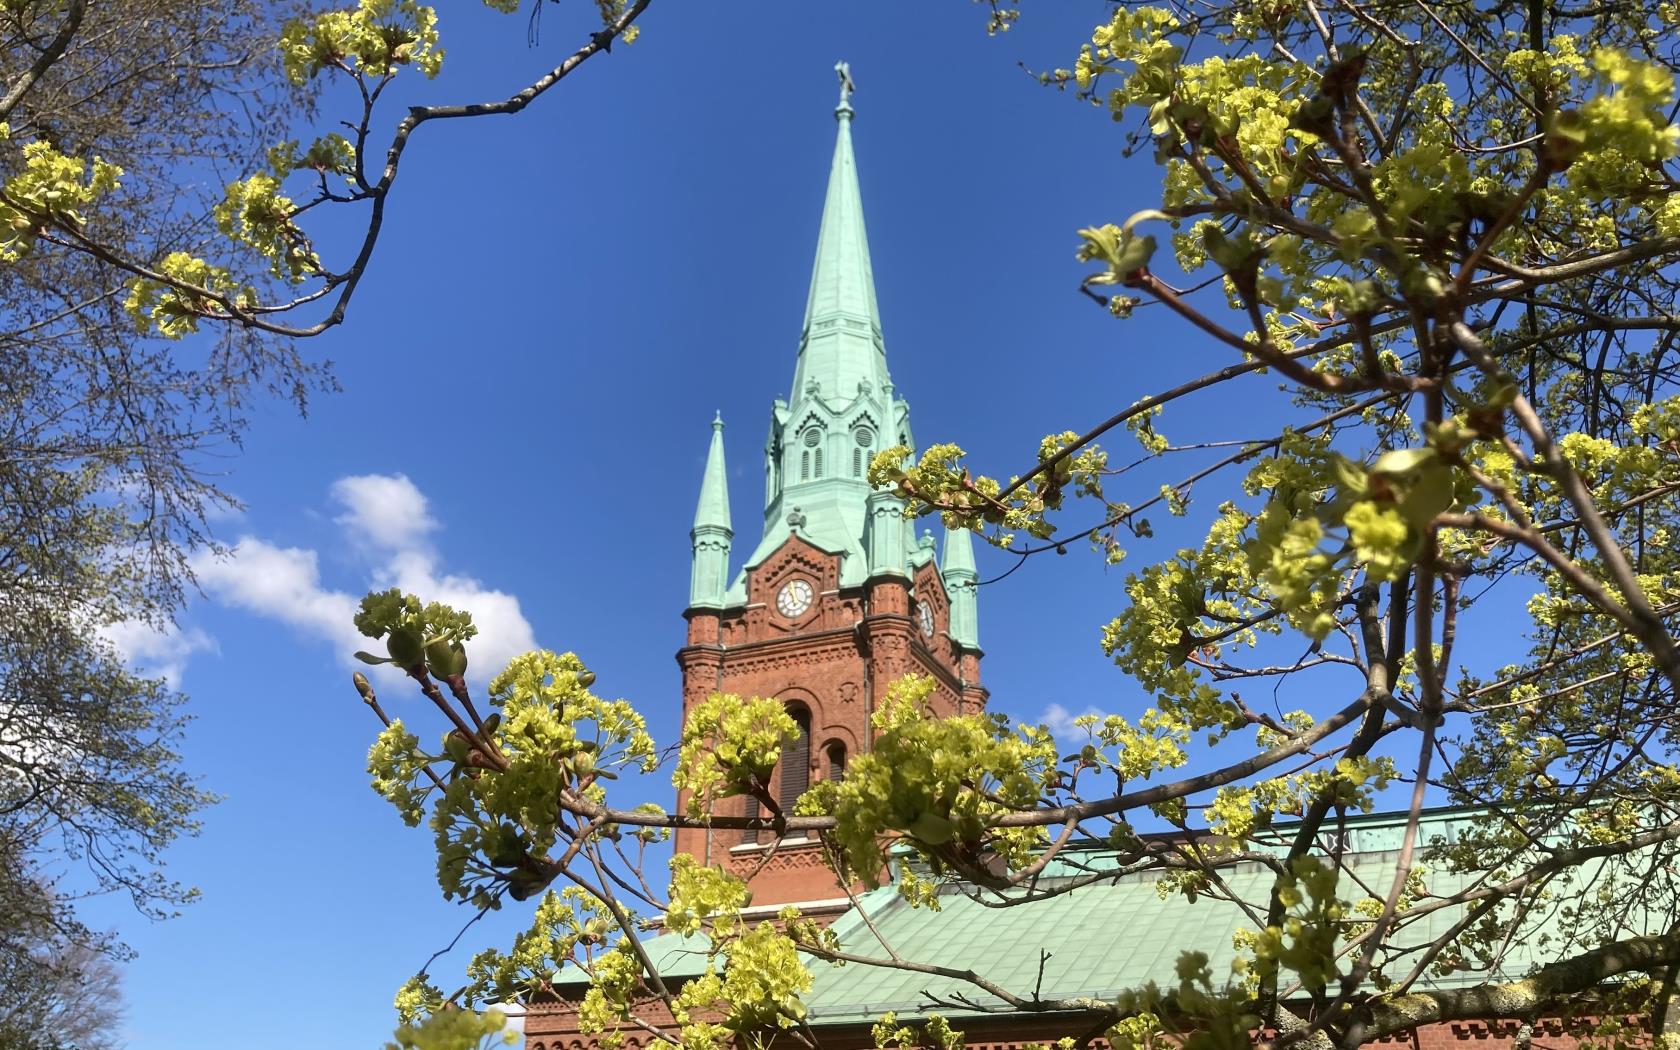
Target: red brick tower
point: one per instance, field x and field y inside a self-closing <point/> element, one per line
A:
<point x="839" y="598"/>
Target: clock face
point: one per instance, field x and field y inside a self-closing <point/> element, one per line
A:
<point x="924" y="618"/>
<point x="794" y="598"/>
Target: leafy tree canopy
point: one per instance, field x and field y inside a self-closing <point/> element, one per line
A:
<point x="144" y="198"/>
<point x="1438" y="244"/>
<point x="1438" y="239"/>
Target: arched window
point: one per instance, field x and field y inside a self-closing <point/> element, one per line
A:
<point x="836" y="761"/>
<point x="818" y="456"/>
<point x="804" y="466"/>
<point x="795" y="765"/>
<point x="857" y="462"/>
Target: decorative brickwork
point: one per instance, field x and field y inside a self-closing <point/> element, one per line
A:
<point x="834" y="659"/>
<point x="553" y="1026"/>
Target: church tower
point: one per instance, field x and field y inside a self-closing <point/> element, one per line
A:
<point x="839" y="597"/>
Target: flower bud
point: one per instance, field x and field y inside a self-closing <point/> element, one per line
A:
<point x="456" y="746"/>
<point x="406" y="647"/>
<point x="446" y="659"/>
<point x="364" y="688"/>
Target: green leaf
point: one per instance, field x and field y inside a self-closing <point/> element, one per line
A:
<point x="1145" y="215"/>
<point x="1159" y="122"/>
<point x="1565" y="136"/>
<point x="932" y="829"/>
<point x="1134" y="254"/>
<point x="1351" y="479"/>
<point x="1232" y="255"/>
<point x="1402" y="460"/>
<point x="1428" y="496"/>
<point x="369" y="658"/>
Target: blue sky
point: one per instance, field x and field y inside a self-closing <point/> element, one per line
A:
<point x="560" y="302"/>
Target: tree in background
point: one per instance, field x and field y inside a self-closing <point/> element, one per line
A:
<point x="143" y="191"/>
<point x="71" y="1000"/>
<point x="99" y="427"/>
<point x="1438" y="244"/>
<point x="57" y="992"/>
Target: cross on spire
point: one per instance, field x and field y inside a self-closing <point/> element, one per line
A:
<point x="843" y="70"/>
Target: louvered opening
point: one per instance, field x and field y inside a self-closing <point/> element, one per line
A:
<point x="795" y="765"/>
<point x="751" y="809"/>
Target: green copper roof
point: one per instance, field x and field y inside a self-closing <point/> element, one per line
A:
<point x="1099" y="939"/>
<point x="713" y="508"/>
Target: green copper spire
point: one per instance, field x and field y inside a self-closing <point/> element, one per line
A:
<point x="711" y="535"/>
<point x="713" y="508"/>
<point x="840" y="345"/>
<point x="962" y="586"/>
<point x="843" y="408"/>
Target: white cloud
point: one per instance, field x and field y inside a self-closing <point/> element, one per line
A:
<point x="282" y="583"/>
<point x="1059" y="720"/>
<point x="384" y="510"/>
<point x="160" y="654"/>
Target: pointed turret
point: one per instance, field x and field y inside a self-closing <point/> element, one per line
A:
<point x="962" y="585"/>
<point x="886" y="536"/>
<point x="711" y="534"/>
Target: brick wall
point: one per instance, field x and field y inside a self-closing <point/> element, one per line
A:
<point x="835" y="660"/>
<point x="554" y="1027"/>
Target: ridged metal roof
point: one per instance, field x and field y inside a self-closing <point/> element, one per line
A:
<point x="1102" y="939"/>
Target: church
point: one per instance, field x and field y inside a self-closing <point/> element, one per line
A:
<point x="838" y="597"/>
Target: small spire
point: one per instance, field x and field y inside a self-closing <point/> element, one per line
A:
<point x="709" y="572"/>
<point x="959" y="553"/>
<point x="713" y="508"/>
<point x="962" y="584"/>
